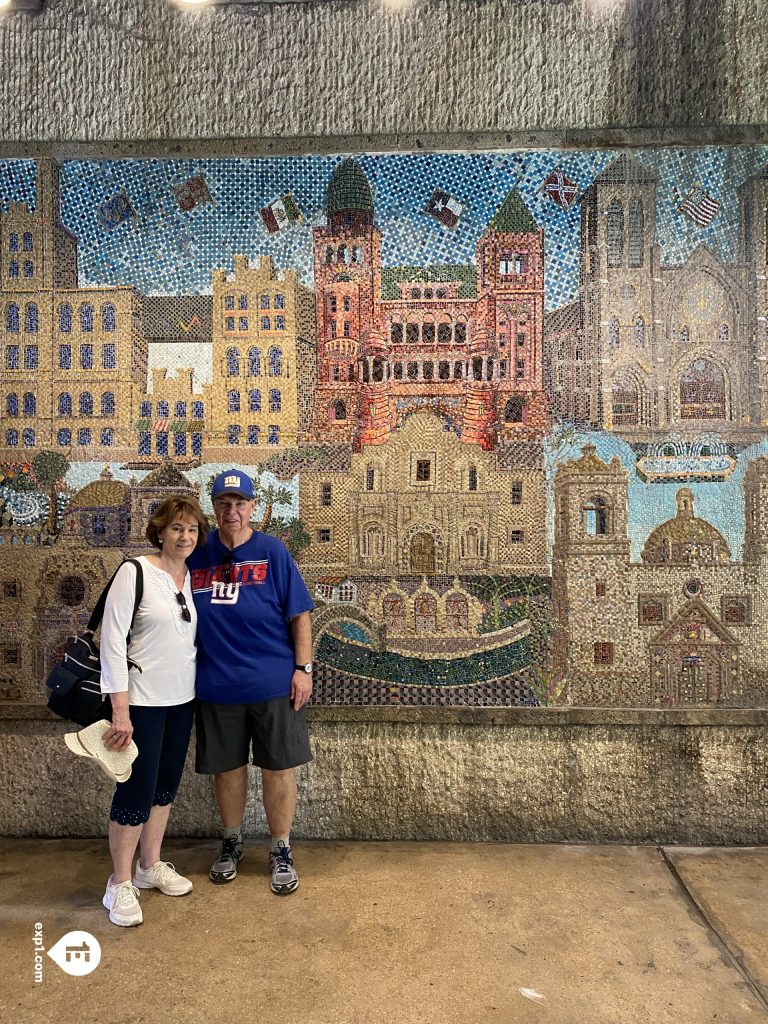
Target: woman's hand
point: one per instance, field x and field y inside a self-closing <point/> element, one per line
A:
<point x="119" y="735"/>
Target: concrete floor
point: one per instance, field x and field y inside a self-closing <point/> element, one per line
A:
<point x="402" y="933"/>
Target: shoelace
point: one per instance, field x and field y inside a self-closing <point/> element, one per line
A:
<point x="283" y="857"/>
<point x="164" y="871"/>
<point x="229" y="848"/>
<point x="126" y="894"/>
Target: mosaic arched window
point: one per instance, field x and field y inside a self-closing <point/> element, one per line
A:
<point x="233" y="401"/>
<point x="639" y="332"/>
<point x="613" y="334"/>
<point x="12" y="405"/>
<point x="13" y="242"/>
<point x="108" y="404"/>
<point x="28" y="241"/>
<point x="108" y="317"/>
<point x="65" y="404"/>
<point x="615" y="234"/>
<point x="65" y="318"/>
<point x="108" y="356"/>
<point x="596" y="517"/>
<point x="275" y="400"/>
<point x="266" y="323"/>
<point x="64" y="437"/>
<point x="233" y="362"/>
<point x="31" y="318"/>
<point x="425" y="613"/>
<point x="86" y="318"/>
<point x="636" y="232"/>
<point x="29" y="404"/>
<point x="625" y="401"/>
<point x="254" y="362"/>
<point x="339" y="409"/>
<point x="12" y="319"/>
<point x="702" y="391"/>
<point x="275" y="361"/>
<point x="29" y="268"/>
<point x="279" y="301"/>
<point x="12" y="438"/>
<point x="393" y="609"/>
<point x="457" y="611"/>
<point x="86" y="404"/>
<point x="254" y="400"/>
<point x="513" y="410"/>
<point x="28" y="437"/>
<point x="163" y="409"/>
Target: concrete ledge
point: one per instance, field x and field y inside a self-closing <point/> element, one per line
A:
<point x="422" y="142"/>
<point x="560" y="716"/>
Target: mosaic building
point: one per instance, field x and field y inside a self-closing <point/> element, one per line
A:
<point x="263" y="360"/>
<point x="652" y="350"/>
<point x="74" y="359"/>
<point x="464" y="341"/>
<point x="423" y="503"/>
<point x="684" y="625"/>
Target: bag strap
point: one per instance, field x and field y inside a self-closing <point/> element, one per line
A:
<point x="98" y="611"/>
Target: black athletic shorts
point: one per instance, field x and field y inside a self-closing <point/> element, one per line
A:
<point x="276" y="734"/>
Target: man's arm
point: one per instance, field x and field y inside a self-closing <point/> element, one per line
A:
<point x="301" y="683"/>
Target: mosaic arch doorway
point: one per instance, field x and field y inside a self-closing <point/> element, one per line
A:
<point x="422" y="554"/>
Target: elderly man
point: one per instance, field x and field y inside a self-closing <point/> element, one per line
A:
<point x="254" y="674"/>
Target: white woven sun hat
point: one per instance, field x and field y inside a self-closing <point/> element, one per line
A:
<point x="116" y="764"/>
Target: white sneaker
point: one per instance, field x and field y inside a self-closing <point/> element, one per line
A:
<point x="162" y="876"/>
<point x="122" y="902"/>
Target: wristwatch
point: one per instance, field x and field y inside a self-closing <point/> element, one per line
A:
<point x="304" y="668"/>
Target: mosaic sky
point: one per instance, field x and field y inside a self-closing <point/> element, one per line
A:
<point x="168" y="251"/>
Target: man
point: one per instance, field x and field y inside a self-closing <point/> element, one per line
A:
<point x="254" y="674"/>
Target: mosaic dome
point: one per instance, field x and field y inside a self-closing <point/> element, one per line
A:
<point x="348" y="189"/>
<point x="685" y="539"/>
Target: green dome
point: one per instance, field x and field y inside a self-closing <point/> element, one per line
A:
<point x="348" y="189"/>
<point x="513" y="216"/>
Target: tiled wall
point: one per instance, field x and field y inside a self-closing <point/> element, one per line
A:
<point x="508" y="409"/>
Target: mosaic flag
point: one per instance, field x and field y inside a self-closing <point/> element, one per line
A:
<point x="114" y="211"/>
<point x="445" y="208"/>
<point x="192" y="193"/>
<point x="561" y="190"/>
<point x="279" y="214"/>
<point x="699" y="207"/>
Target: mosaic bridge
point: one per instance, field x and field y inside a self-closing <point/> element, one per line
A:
<point x="508" y="411"/>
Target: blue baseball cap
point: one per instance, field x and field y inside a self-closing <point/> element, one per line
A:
<point x="233" y="481"/>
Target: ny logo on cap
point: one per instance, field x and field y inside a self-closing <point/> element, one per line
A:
<point x="231" y="481"/>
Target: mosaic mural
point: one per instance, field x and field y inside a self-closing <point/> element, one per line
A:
<point x="508" y="411"/>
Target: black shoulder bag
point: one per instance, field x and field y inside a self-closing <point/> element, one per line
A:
<point x="75" y="683"/>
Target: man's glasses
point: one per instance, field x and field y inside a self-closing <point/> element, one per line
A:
<point x="226" y="568"/>
<point x="186" y="614"/>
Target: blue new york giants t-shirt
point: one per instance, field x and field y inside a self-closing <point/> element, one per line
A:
<point x="245" y="650"/>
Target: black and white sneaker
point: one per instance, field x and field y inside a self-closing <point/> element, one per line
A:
<point x="285" y="879"/>
<point x="225" y="868"/>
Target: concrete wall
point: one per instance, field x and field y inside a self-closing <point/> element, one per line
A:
<point x="519" y="775"/>
<point x="117" y="71"/>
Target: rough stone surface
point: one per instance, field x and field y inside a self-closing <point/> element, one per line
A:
<point x="411" y="780"/>
<point x="103" y="70"/>
<point x="410" y="933"/>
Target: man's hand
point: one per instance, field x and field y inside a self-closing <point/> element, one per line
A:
<point x="301" y="689"/>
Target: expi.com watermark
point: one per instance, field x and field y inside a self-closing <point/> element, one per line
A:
<point x="76" y="953"/>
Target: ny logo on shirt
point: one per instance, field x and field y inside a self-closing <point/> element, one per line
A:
<point x="224" y="593"/>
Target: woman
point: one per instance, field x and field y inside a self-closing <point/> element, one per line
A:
<point x="152" y="706"/>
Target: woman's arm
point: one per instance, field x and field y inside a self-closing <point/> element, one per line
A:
<point x="114" y="655"/>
